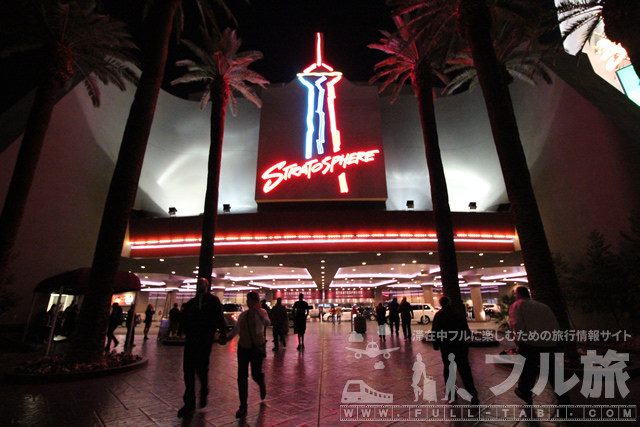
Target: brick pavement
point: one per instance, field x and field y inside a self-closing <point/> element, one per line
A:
<point x="303" y="388"/>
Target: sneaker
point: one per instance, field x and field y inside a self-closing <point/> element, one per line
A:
<point x="528" y="399"/>
<point x="299" y="347"/>
<point x="185" y="410"/>
<point x="241" y="412"/>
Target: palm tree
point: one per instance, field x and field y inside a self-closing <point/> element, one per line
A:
<point x="412" y="59"/>
<point x="518" y="50"/>
<point x="223" y="70"/>
<point x="620" y="19"/>
<point x="473" y="21"/>
<point x="76" y="44"/>
<point x="94" y="313"/>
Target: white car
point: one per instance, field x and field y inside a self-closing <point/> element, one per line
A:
<point x="423" y="313"/>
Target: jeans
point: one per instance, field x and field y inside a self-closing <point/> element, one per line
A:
<point x="248" y="356"/>
<point x="461" y="353"/>
<point x="278" y="336"/>
<point x="195" y="361"/>
<point x="531" y="370"/>
<point x="406" y="327"/>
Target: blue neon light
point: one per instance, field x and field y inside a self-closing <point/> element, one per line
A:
<point x="310" y="128"/>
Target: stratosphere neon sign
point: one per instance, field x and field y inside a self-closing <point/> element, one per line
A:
<point x="323" y="158"/>
<point x="280" y="172"/>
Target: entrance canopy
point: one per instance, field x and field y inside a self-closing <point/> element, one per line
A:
<point x="75" y="282"/>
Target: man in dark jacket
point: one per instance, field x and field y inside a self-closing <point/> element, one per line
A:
<point x="279" y="320"/>
<point x="394" y="315"/>
<point x="406" y="313"/>
<point x="203" y="323"/>
<point x="454" y="330"/>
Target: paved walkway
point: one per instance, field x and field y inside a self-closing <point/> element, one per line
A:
<point x="303" y="387"/>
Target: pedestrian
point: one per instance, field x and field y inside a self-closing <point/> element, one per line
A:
<point x="339" y="314"/>
<point x="148" y="318"/>
<point x="115" y="319"/>
<point x="529" y="318"/>
<point x="265" y="307"/>
<point x="174" y="319"/>
<point x="203" y="323"/>
<point x="279" y="319"/>
<point x="381" y="318"/>
<point x="450" y="330"/>
<point x="406" y="314"/>
<point x="300" y="313"/>
<point x="251" y="349"/>
<point x="132" y="321"/>
<point x="394" y="315"/>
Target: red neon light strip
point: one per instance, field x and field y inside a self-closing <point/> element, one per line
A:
<point x="318" y="49"/>
<point x="315" y="239"/>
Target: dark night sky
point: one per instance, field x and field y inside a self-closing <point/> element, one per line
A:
<point x="283" y="30"/>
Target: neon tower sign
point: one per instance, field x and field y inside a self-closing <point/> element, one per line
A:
<point x="320" y="140"/>
<point x="325" y="80"/>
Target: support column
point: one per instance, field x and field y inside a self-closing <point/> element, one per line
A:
<point x="268" y="295"/>
<point x="378" y="295"/>
<point x="427" y="293"/>
<point x="218" y="291"/>
<point x="474" y="283"/>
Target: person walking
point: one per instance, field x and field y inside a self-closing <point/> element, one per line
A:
<point x="148" y="318"/>
<point x="406" y="314"/>
<point x="279" y="321"/>
<point x="528" y="319"/>
<point x="394" y="315"/>
<point x="300" y="313"/>
<point x="339" y="314"/>
<point x="251" y="349"/>
<point x="174" y="320"/>
<point x="202" y="322"/>
<point x="381" y="318"/>
<point x="450" y="330"/>
<point x="115" y="319"/>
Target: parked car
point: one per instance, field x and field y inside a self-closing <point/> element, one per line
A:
<point x="369" y="313"/>
<point x="125" y="315"/>
<point x="423" y="312"/>
<point x="490" y="310"/>
<point x="231" y="313"/>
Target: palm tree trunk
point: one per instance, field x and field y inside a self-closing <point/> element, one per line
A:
<point x="423" y="88"/>
<point x="219" y="99"/>
<point x="94" y="313"/>
<point x="25" y="169"/>
<point x="475" y="22"/>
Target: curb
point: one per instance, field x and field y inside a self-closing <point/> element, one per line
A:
<point x="16" y="378"/>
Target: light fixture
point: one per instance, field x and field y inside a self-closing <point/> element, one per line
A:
<point x="173" y="211"/>
<point x="226" y="207"/>
<point x="410" y="204"/>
